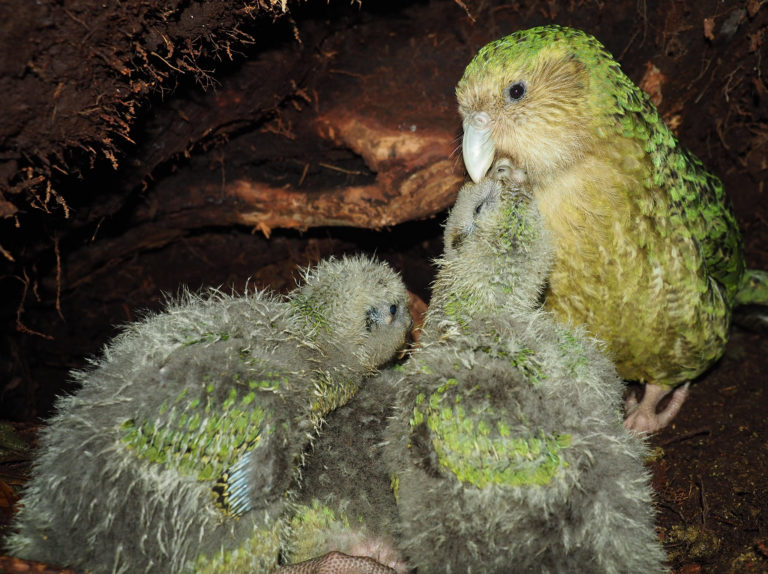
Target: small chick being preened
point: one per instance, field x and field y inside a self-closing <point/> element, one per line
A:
<point x="508" y="448"/>
<point x="178" y="452"/>
<point x="345" y="503"/>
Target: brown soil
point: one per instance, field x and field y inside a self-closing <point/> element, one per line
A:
<point x="203" y="143"/>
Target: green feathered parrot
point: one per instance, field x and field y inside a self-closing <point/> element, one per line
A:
<point x="649" y="256"/>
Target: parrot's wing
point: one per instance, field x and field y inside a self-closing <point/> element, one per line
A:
<point x="213" y="417"/>
<point x="484" y="437"/>
<point x="698" y="202"/>
<point x="258" y="477"/>
<point x="718" y="235"/>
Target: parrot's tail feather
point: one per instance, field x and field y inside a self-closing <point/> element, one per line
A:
<point x="753" y="289"/>
<point x="751" y="305"/>
<point x="752" y="317"/>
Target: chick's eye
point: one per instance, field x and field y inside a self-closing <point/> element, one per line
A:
<point x="488" y="201"/>
<point x="392" y="309"/>
<point x="516" y="91"/>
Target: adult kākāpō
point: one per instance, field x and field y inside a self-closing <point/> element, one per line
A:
<point x="178" y="451"/>
<point x="648" y="252"/>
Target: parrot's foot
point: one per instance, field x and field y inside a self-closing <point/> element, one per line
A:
<point x="642" y="417"/>
<point x="337" y="563"/>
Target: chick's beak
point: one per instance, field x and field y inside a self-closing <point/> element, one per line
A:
<point x="477" y="146"/>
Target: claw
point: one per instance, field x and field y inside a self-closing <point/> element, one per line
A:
<point x="642" y="417"/>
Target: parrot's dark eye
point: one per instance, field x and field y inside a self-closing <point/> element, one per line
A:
<point x="516" y="91"/>
<point x="488" y="200"/>
<point x="392" y="309"/>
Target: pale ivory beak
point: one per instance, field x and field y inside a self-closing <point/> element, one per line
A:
<point x="477" y="146"/>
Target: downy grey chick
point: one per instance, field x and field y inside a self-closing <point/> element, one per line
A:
<point x="177" y="453"/>
<point x="507" y="447"/>
<point x="345" y="503"/>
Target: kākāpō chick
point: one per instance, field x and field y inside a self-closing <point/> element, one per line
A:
<point x="508" y="447"/>
<point x="178" y="451"/>
<point x="345" y="503"/>
<point x="648" y="254"/>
